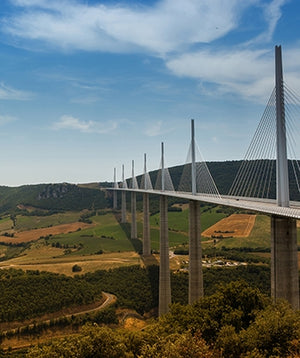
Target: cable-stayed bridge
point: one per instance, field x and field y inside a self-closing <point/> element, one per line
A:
<point x="270" y="162"/>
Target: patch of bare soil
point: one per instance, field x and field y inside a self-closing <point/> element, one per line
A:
<point x="236" y="225"/>
<point x="31" y="235"/>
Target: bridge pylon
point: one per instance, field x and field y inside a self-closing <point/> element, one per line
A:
<point x="284" y="251"/>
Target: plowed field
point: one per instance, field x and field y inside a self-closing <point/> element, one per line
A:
<point x="235" y="225"/>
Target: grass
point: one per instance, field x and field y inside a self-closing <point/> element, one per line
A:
<point x="113" y="239"/>
<point x="178" y="223"/>
<point x="106" y="235"/>
<point x="180" y="220"/>
<point x="24" y="223"/>
<point x="5" y="224"/>
<point x="45" y="258"/>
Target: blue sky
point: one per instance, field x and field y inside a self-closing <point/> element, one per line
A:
<point x="89" y="85"/>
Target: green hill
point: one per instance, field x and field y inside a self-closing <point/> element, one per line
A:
<point x="54" y="197"/>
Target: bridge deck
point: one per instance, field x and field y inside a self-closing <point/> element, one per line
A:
<point x="266" y="206"/>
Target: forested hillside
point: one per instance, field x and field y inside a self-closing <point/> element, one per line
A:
<point x="33" y="293"/>
<point x="60" y="197"/>
<point x="237" y="321"/>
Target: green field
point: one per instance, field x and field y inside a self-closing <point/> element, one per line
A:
<point x="178" y="223"/>
<point x="36" y="222"/>
<point x="5" y="224"/>
<point x="106" y="235"/>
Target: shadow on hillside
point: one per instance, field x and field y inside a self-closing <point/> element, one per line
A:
<point x="136" y="243"/>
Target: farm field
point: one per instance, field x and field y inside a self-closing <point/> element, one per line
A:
<point x="35" y="234"/>
<point x="235" y="225"/>
<point x="104" y="243"/>
<point x="40" y="258"/>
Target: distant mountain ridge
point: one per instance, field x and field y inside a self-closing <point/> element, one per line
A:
<point x="65" y="196"/>
<point x="60" y="197"/>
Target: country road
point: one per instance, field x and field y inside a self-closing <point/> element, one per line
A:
<point x="109" y="300"/>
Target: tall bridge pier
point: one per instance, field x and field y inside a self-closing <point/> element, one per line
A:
<point x="195" y="250"/>
<point x="123" y="198"/>
<point x="284" y="260"/>
<point x="164" y="299"/>
<point x="133" y="207"/>
<point x="284" y="251"/>
<point x="115" y="195"/>
<point x="195" y="253"/>
<point x="146" y="211"/>
<point x="146" y="226"/>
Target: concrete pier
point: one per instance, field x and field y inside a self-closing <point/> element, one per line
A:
<point x="115" y="200"/>
<point x="164" y="266"/>
<point x="195" y="253"/>
<point x="115" y="194"/>
<point x="133" y="216"/>
<point x="146" y="228"/>
<point x="123" y="207"/>
<point x="284" y="264"/>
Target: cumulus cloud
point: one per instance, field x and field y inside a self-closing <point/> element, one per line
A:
<point x="167" y="26"/>
<point x="9" y="93"/>
<point x="247" y="72"/>
<point x="70" y="122"/>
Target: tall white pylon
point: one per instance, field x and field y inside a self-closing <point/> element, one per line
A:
<point x="282" y="162"/>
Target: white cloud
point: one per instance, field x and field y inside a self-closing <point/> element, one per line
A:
<point x="247" y="72"/>
<point x="70" y="122"/>
<point x="9" y="93"/>
<point x="272" y="13"/>
<point x="167" y="26"/>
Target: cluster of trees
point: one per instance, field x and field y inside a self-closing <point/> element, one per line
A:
<point x="137" y="287"/>
<point x="236" y="254"/>
<point x="85" y="217"/>
<point x="237" y="321"/>
<point x="33" y="293"/>
<point x="105" y="316"/>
